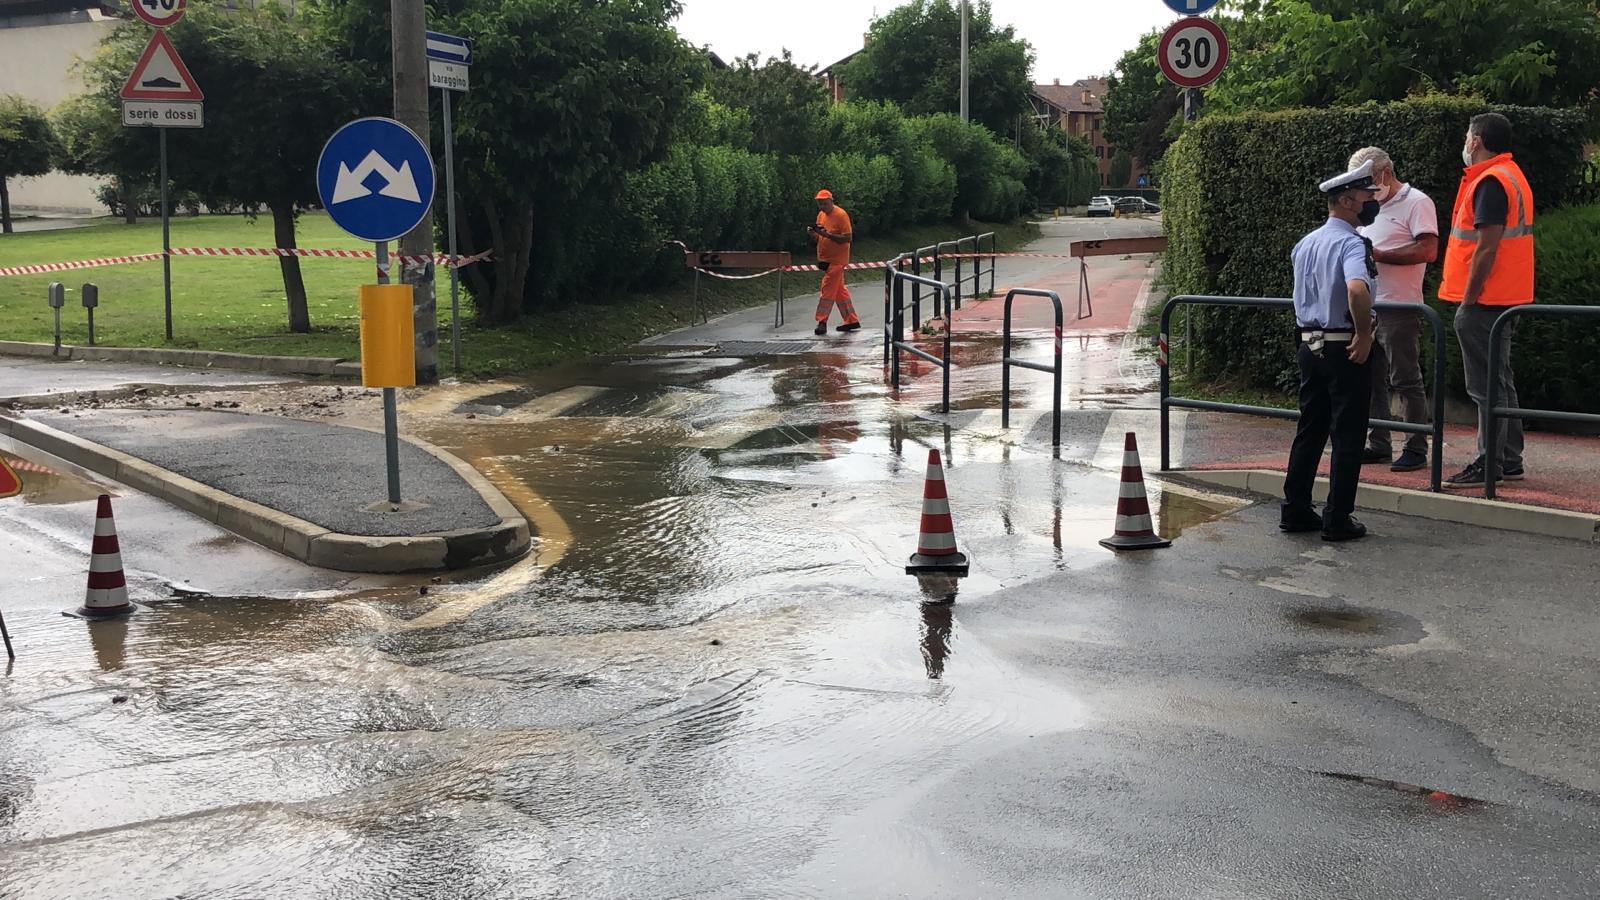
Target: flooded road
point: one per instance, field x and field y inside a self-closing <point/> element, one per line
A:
<point x="714" y="632"/>
<point x="712" y="678"/>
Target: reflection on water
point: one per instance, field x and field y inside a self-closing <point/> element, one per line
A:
<point x="44" y="484"/>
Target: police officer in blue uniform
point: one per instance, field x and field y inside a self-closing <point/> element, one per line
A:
<point x="1334" y="283"/>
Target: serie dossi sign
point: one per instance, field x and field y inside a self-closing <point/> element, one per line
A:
<point x="160" y="92"/>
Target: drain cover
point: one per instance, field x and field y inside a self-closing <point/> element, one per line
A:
<point x="761" y="348"/>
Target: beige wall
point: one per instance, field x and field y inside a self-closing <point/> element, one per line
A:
<point x="37" y="62"/>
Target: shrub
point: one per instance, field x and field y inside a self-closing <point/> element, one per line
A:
<point x="1239" y="191"/>
<point x="1554" y="358"/>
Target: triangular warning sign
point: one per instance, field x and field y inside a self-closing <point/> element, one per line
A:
<point x="10" y="482"/>
<point x="160" y="74"/>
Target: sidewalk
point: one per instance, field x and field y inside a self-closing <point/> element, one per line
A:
<point x="1562" y="469"/>
<point x="309" y="490"/>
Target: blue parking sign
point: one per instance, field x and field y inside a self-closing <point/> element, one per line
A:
<point x="375" y="178"/>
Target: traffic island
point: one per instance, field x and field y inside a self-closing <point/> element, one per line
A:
<point x="309" y="490"/>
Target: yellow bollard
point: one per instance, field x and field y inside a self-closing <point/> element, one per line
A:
<point x="388" y="336"/>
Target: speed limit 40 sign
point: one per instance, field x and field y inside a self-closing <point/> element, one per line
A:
<point x="1193" y="52"/>
<point x="160" y="13"/>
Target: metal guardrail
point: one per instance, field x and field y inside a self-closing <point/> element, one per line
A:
<point x="917" y="256"/>
<point x="1491" y="436"/>
<point x="1006" y="362"/>
<point x="897" y="343"/>
<point x="1168" y="402"/>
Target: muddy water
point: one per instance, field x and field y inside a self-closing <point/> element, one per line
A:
<point x="712" y="658"/>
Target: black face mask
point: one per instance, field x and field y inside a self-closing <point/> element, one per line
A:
<point x="1369" y="212"/>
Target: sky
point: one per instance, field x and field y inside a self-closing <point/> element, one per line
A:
<point x="1071" y="39"/>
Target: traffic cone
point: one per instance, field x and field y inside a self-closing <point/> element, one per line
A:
<point x="1134" y="528"/>
<point x="936" y="547"/>
<point x="107" y="595"/>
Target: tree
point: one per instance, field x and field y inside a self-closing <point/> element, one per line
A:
<point x="1121" y="169"/>
<point x="1319" y="53"/>
<point x="1142" y="106"/>
<point x="913" y="57"/>
<point x="274" y="93"/>
<point x="28" y="147"/>
<point x="785" y="102"/>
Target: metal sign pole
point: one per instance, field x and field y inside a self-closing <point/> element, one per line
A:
<point x="10" y="653"/>
<point x="166" y="237"/>
<point x="391" y="415"/>
<point x="450" y="225"/>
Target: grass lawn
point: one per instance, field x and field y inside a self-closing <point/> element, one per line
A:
<point x="237" y="304"/>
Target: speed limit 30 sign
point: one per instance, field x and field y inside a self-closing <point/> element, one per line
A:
<point x="1193" y="52"/>
<point x="160" y="13"/>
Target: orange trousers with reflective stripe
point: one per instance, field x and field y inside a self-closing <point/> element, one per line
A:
<point x="834" y="291"/>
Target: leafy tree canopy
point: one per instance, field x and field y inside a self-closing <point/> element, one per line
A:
<point x="913" y="57"/>
<point x="28" y="147"/>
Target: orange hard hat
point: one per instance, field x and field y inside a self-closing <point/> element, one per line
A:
<point x="824" y="194"/>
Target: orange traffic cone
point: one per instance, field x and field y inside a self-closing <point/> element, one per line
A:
<point x="936" y="548"/>
<point x="107" y="596"/>
<point x="1134" y="528"/>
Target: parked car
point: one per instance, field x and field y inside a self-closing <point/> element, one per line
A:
<point x="1101" y="206"/>
<point x="1129" y="204"/>
<point x="1151" y="208"/>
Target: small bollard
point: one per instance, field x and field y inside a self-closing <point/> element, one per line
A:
<point x="57" y="298"/>
<point x="91" y="299"/>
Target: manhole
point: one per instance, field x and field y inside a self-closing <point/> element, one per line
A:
<point x="761" y="348"/>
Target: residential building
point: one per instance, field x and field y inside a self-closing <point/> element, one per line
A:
<point x="40" y="42"/>
<point x="1079" y="110"/>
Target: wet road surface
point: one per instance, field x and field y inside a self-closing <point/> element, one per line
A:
<point x="712" y="678"/>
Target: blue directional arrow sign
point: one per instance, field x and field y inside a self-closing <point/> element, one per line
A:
<point x="1191" y="7"/>
<point x="375" y="178"/>
<point x="452" y="49"/>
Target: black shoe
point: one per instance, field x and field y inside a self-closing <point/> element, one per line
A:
<point x="1516" y="474"/>
<point x="1410" y="461"/>
<point x="1296" y="521"/>
<point x="1471" y="477"/>
<point x="1348" y="530"/>
<point x="849" y="326"/>
<point x="822" y="328"/>
<point x="1370" y="455"/>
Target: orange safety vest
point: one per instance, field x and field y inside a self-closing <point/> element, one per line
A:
<point x="1510" y="282"/>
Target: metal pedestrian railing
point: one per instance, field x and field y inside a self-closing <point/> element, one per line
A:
<point x="1007" y="362"/>
<point x="957" y="251"/>
<point x="1496" y="412"/>
<point x="1169" y="402"/>
<point x="895" y="341"/>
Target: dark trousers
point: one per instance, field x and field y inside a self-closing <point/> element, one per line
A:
<point x="1335" y="396"/>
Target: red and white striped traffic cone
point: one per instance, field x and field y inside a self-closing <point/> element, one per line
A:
<point x="936" y="547"/>
<point x="1135" y="530"/>
<point x="107" y="595"/>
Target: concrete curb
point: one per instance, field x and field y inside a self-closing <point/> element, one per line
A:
<point x="293" y="537"/>
<point x="1463" y="510"/>
<point x="195" y="359"/>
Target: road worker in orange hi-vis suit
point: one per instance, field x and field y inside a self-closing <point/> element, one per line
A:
<point x="833" y="235"/>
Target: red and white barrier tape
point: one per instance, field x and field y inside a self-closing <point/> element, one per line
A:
<point x="45" y="268"/>
<point x="442" y="259"/>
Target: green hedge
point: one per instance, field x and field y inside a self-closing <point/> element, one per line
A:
<point x="1239" y="191"/>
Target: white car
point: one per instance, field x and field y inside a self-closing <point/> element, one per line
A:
<point x="1101" y="206"/>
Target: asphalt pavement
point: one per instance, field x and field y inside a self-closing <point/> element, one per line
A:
<point x="37" y="380"/>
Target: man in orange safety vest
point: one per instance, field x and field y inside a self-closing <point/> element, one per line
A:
<point x="833" y="233"/>
<point x="1488" y="269"/>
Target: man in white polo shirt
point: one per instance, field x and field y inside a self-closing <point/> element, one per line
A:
<point x="1404" y="239"/>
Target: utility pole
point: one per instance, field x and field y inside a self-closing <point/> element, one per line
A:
<point x="408" y="27"/>
<point x="963" y="60"/>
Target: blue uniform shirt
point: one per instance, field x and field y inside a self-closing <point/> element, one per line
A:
<point x="1324" y="261"/>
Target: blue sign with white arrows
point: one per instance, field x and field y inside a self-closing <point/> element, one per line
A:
<point x="1191" y="7"/>
<point x="458" y="50"/>
<point x="375" y="178"/>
